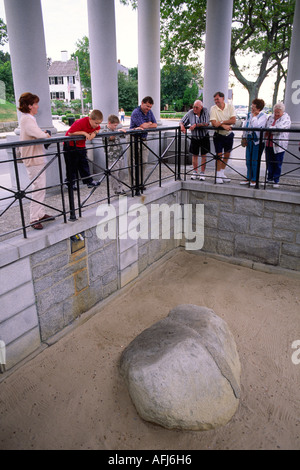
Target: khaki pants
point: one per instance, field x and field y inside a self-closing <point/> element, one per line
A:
<point x="37" y="211"/>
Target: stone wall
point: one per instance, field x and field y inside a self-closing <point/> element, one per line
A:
<point x="258" y="225"/>
<point x="44" y="287"/>
<point x="8" y="126"/>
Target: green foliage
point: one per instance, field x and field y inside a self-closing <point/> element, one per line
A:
<point x="62" y="108"/>
<point x="83" y="54"/>
<point x="6" y="76"/>
<point x="3" y="33"/>
<point x="183" y="25"/>
<point x="262" y="28"/>
<point x="168" y="115"/>
<point x="133" y="73"/>
<point x="191" y="94"/>
<point x="128" y="90"/>
<point x="179" y="86"/>
<point x="5" y="67"/>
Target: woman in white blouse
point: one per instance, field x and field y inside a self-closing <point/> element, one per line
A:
<point x="256" y="118"/>
<point x="33" y="157"/>
<point x="276" y="143"/>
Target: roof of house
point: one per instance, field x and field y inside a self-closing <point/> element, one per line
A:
<point x="67" y="68"/>
<point x="60" y="68"/>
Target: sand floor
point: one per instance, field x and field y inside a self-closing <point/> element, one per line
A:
<point x="71" y="395"/>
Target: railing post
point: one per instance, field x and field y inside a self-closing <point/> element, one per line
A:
<point x="260" y="151"/>
<point x="179" y="154"/>
<point x="61" y="181"/>
<point x="19" y="193"/>
<point x="107" y="172"/>
<point x="159" y="152"/>
<point x="136" y="165"/>
<point x="131" y="166"/>
<point x="69" y="168"/>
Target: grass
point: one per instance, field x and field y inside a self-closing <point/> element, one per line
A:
<point x="8" y="112"/>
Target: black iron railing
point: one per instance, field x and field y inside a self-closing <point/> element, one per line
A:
<point x="168" y="158"/>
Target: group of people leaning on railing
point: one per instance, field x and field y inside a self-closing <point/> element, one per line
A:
<point x="222" y="116"/>
<point x="75" y="152"/>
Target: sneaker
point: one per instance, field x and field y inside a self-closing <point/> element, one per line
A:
<point x="276" y="185"/>
<point x="219" y="180"/>
<point x="269" y="182"/>
<point x="202" y="177"/>
<point x="195" y="175"/>
<point x="226" y="179"/>
<point x="252" y="184"/>
<point x="244" y="182"/>
<point x="93" y="183"/>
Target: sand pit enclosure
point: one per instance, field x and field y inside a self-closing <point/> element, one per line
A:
<point x="71" y="396"/>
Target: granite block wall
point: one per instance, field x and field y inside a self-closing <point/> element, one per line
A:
<point x="44" y="286"/>
<point x="258" y="229"/>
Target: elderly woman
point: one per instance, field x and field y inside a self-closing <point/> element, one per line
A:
<point x="250" y="139"/>
<point x="33" y="158"/>
<point x="276" y="143"/>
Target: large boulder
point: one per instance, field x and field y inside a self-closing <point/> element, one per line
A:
<point x="184" y="371"/>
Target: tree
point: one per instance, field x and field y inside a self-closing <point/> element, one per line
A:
<point x="190" y="95"/>
<point x="3" y="33"/>
<point x="7" y="78"/>
<point x="179" y="86"/>
<point x="5" y="66"/>
<point x="83" y="54"/>
<point x="128" y="90"/>
<point x="262" y="28"/>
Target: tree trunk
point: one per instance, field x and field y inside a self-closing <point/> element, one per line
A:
<point x="252" y="87"/>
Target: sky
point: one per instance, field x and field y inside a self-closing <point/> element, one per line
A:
<point x="65" y="22"/>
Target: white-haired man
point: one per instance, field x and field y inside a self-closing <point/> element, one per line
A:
<point x="198" y="119"/>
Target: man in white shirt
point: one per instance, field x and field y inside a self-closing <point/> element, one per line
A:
<point x="222" y="116"/>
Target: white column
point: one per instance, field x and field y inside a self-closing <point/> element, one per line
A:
<point x="217" y="49"/>
<point x="292" y="93"/>
<point x="149" y="52"/>
<point x="28" y="55"/>
<point x="103" y="56"/>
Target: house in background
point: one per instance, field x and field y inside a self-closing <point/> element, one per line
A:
<point x="122" y="68"/>
<point x="64" y="81"/>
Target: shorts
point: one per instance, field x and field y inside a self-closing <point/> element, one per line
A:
<point x="223" y="143"/>
<point x="200" y="144"/>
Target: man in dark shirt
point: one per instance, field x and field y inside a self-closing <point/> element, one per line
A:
<point x="142" y="118"/>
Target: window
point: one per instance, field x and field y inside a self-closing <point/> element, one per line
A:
<point x="57" y="95"/>
<point x="56" y="80"/>
<point x="71" y="80"/>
